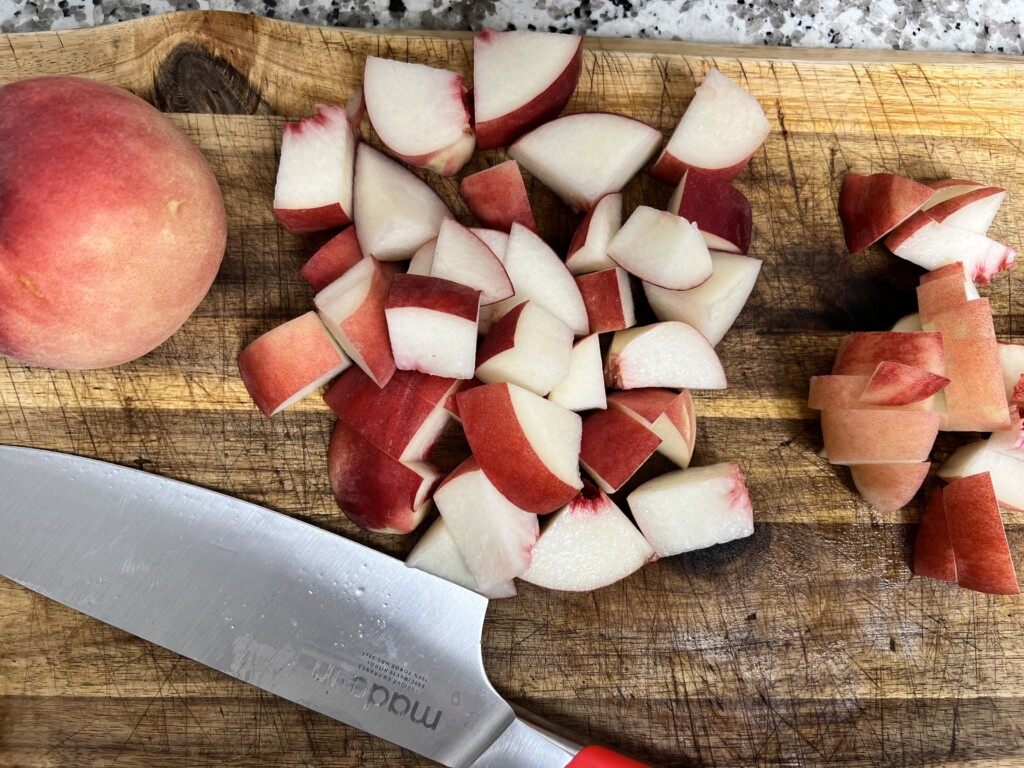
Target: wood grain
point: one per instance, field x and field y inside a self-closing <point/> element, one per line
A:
<point x="807" y="644"/>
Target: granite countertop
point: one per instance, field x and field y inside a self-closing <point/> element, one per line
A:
<point x="992" y="26"/>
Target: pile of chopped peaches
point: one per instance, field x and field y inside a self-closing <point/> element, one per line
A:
<point x="420" y="319"/>
<point x="941" y="369"/>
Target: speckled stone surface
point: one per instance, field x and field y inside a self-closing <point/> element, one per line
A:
<point x="992" y="26"/>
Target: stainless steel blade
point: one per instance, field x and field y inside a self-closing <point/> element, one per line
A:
<point x="295" y="610"/>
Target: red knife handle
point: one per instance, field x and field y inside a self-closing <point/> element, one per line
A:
<point x="600" y="757"/>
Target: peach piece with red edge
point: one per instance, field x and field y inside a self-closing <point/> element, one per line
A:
<point x="540" y="276"/>
<point x="521" y="80"/>
<point x="720" y="211"/>
<point x="494" y="536"/>
<point x="889" y="487"/>
<point x="713" y="306"/>
<point x="352" y="308"/>
<point x="1005" y="468"/>
<point x="975" y="396"/>
<point x="982" y="556"/>
<point x="315" y="173"/>
<point x="528" y="347"/>
<point x="403" y="418"/>
<point x="377" y="492"/>
<point x="432" y="325"/>
<point x="878" y="436"/>
<point x="582" y="389"/>
<point x="721" y="129"/>
<point x="437" y="553"/>
<point x="608" y="297"/>
<point x="614" y="447"/>
<point x="585" y="156"/>
<point x="949" y="188"/>
<point x="872" y="206"/>
<point x="670" y="415"/>
<point x="924" y="241"/>
<point x="943" y="289"/>
<point x="497" y="197"/>
<point x="898" y="384"/>
<point x="588" y="251"/>
<point x="973" y="210"/>
<point x="693" y="508"/>
<point x="462" y="257"/>
<point x="587" y="544"/>
<point x="452" y="403"/>
<point x="395" y="211"/>
<point x="289" y="362"/>
<point x="669" y="354"/>
<point x="860" y="353"/>
<point x="933" y="552"/>
<point x="420" y="113"/>
<point x="661" y="248"/>
<point x="527" y="446"/>
<point x="335" y="257"/>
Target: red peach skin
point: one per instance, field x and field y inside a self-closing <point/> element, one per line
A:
<point x="933" y="553"/>
<point x="976" y="395"/>
<point x="391" y="417"/>
<point x="829" y="393"/>
<point x="889" y="487"/>
<point x="878" y="437"/>
<point x="669" y="414"/>
<point x="290" y="361"/>
<point x="872" y="206"/>
<point x="614" y="447"/>
<point x="671" y="169"/>
<point x="720" y="211"/>
<point x="608" y="298"/>
<point x="860" y="353"/>
<point x="898" y="384"/>
<point x="941" y="289"/>
<point x="335" y="257"/>
<point x="983" y="561"/>
<point x="377" y="492"/>
<point x="497" y="197"/>
<point x="505" y="452"/>
<point x="301" y="221"/>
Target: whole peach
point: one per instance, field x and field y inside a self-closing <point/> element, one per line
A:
<point x="112" y="226"/>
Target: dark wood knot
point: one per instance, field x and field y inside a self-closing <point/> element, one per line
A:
<point x="193" y="80"/>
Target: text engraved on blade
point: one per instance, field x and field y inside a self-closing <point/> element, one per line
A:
<point x="375" y="682"/>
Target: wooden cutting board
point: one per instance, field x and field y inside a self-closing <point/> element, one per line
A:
<point x="806" y="644"/>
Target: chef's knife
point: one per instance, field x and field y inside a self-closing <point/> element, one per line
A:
<point x="290" y="608"/>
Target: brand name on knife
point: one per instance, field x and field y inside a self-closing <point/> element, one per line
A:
<point x="374" y="694"/>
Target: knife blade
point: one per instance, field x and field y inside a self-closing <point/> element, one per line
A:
<point x="290" y="608"/>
